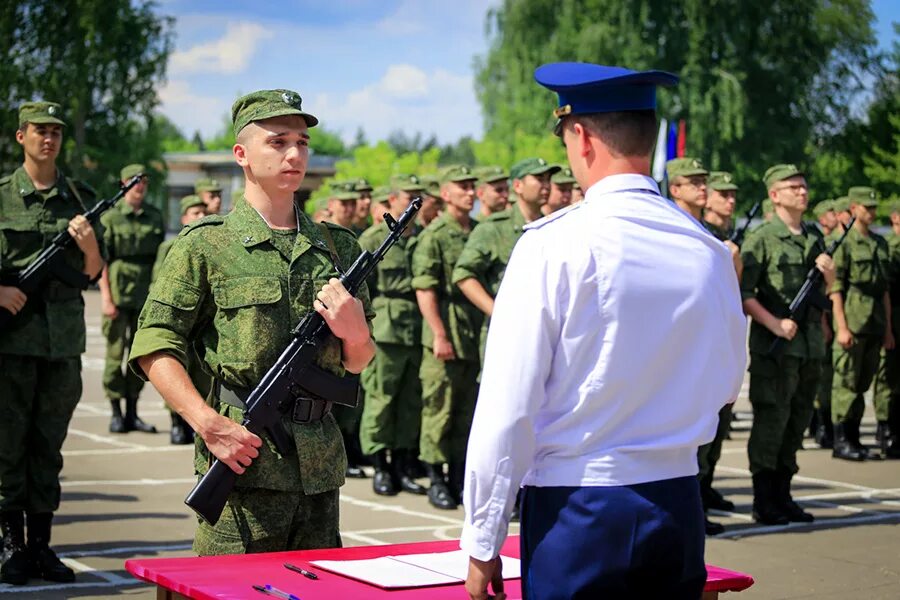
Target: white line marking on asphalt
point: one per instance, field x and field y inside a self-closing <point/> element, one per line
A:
<point x="104" y="439"/>
<point x="125" y="550"/>
<point x="363" y="539"/>
<point x="399" y="510"/>
<point x="820" y="524"/>
<point x="100" y="414"/>
<point x="104" y="575"/>
<point x="827" y="482"/>
<point x="86" y="407"/>
<point x="120" y="451"/>
<point x="102" y="482"/>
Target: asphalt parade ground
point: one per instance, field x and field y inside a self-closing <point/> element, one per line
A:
<point x="122" y="498"/>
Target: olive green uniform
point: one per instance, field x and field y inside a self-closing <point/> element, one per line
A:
<point x="132" y="239"/>
<point x="235" y="288"/>
<point x="861" y="266"/>
<point x="393" y="409"/>
<point x="776" y="263"/>
<point x="449" y="388"/>
<point x="40" y="349"/>
<point x="887" y="382"/>
<point x="823" y="393"/>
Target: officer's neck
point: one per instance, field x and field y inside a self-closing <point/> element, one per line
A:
<point x="600" y="164"/>
<point x="41" y="173"/>
<point x="277" y="209"/>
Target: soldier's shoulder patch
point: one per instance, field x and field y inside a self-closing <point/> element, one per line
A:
<point x="200" y="223"/>
<point x="552" y="217"/>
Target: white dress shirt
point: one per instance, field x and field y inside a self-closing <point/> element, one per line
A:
<point x="616" y="337"/>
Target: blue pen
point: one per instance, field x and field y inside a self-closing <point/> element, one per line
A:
<point x="274" y="591"/>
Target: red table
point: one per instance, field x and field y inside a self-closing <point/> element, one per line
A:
<point x="231" y="577"/>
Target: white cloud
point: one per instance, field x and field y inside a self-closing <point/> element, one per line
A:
<point x="230" y="54"/>
<point x="404" y="81"/>
<point x="191" y="111"/>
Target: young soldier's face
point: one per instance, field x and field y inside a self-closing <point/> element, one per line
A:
<point x="137" y="193"/>
<point x="192" y="214"/>
<point x="690" y="190"/>
<point x="459" y="194"/>
<point x="828" y="219"/>
<point x="791" y="193"/>
<point x="533" y="189"/>
<point x="560" y="196"/>
<point x="342" y="211"/>
<point x="213" y="201"/>
<point x="431" y="207"/>
<point x="864" y="214"/>
<point x="276" y="152"/>
<point x="41" y="141"/>
<point x="362" y="205"/>
<point x="721" y="202"/>
<point x="494" y="195"/>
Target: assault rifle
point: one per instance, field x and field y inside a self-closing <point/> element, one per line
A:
<point x="49" y="263"/>
<point x="808" y="293"/>
<point x="737" y="238"/>
<point x="289" y="378"/>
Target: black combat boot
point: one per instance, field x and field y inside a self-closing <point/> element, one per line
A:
<point x="116" y="423"/>
<point x="794" y="512"/>
<point x="843" y="449"/>
<point x="14" y="557"/>
<point x="711" y="527"/>
<point x="851" y="431"/>
<point x="711" y="497"/>
<point x="765" y="507"/>
<point x="438" y="494"/>
<point x="882" y="435"/>
<point x="400" y="460"/>
<point x="456" y="473"/>
<point x="383" y="483"/>
<point x="351" y="446"/>
<point x="825" y="430"/>
<point x="132" y="421"/>
<point x="43" y="561"/>
<point x="181" y="433"/>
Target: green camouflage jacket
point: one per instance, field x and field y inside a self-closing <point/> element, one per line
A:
<point x="489" y="247"/>
<point x="437" y="251"/>
<point x="131" y="239"/>
<point x="52" y="324"/>
<point x="397" y="317"/>
<point x="226" y="288"/>
<point x="161" y="254"/>
<point x="862" y="266"/>
<point x="776" y="263"/>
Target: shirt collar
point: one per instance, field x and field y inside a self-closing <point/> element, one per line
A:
<point x="25" y="186"/>
<point x="251" y="228"/>
<point x="621" y="183"/>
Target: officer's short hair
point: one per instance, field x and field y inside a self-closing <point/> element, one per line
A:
<point x="625" y="133"/>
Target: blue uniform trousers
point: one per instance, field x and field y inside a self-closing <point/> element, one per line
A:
<point x="635" y="541"/>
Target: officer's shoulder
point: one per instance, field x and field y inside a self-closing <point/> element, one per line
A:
<point x="200" y="224"/>
<point x="553" y="218"/>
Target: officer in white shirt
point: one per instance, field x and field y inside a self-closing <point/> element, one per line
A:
<point x="617" y="335"/>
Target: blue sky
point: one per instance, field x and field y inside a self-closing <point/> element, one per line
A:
<point x="381" y="65"/>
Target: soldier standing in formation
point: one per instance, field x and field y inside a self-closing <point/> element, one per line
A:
<point x="232" y="286"/>
<point x="393" y="408"/>
<point x="687" y="185"/>
<point x="862" y="317"/>
<point x="776" y="257"/>
<point x="887" y="381"/>
<point x="432" y="203"/>
<point x="40" y="349"/>
<point x="560" y="190"/>
<point x="210" y="191"/>
<point x="132" y="234"/>
<point x="449" y="339"/>
<point x="820" y="424"/>
<point x="492" y="190"/>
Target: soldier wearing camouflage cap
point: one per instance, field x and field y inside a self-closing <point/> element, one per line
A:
<point x="886" y="393"/>
<point x="210" y="191"/>
<point x="449" y="339"/>
<point x="432" y="203"/>
<point x="842" y="212"/>
<point x="718" y="217"/>
<point x="824" y="212"/>
<point x="233" y="286"/>
<point x="862" y="315"/>
<point x="492" y="190"/>
<point x="42" y="343"/>
<point x="777" y="256"/>
<point x="561" y="184"/>
<point x="132" y="233"/>
<point x="687" y="184"/>
<point x="820" y="425"/>
<point x="379" y="205"/>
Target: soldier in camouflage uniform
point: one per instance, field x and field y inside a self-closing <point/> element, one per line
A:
<point x="235" y="286"/>
<point x="132" y="234"/>
<point x="862" y="314"/>
<point x="393" y="408"/>
<point x="842" y="211"/>
<point x="379" y="206"/>
<point x="824" y="212"/>
<point x="210" y="191"/>
<point x="560" y="191"/>
<point x="450" y="339"/>
<point x="887" y="381"/>
<point x="192" y="208"/>
<point x="820" y="425"/>
<point x="777" y="256"/>
<point x="432" y="203"/>
<point x="492" y="190"/>
<point x="40" y="349"/>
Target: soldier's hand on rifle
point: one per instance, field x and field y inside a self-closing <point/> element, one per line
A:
<point x="81" y="231"/>
<point x="343" y="313"/>
<point x="786" y="328"/>
<point x="12" y="298"/>
<point x="825" y="264"/>
<point x="231" y="443"/>
<point x="844" y="338"/>
<point x="889" y="339"/>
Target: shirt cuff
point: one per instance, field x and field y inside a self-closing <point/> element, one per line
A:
<point x="481" y="544"/>
<point x="150" y="340"/>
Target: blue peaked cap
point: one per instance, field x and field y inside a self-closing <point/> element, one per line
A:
<point x="588" y="88"/>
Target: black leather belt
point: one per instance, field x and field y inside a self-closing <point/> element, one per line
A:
<point x="305" y="410"/>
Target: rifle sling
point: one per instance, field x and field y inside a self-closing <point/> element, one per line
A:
<point x="303" y="410"/>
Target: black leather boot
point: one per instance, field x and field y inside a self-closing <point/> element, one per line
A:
<point x="400" y="460"/>
<point x="882" y="435"/>
<point x="851" y="430"/>
<point x="711" y="527"/>
<point x="438" y="494"/>
<point x="116" y="423"/>
<point x="132" y="421"/>
<point x="181" y="433"/>
<point x="765" y="507"/>
<point x="794" y="512"/>
<point x="14" y="557"/>
<point x="825" y="431"/>
<point x="843" y="448"/>
<point x="711" y="497"/>
<point x="383" y="482"/>
<point x="43" y="561"/>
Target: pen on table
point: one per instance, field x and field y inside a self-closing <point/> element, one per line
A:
<point x="274" y="591"/>
<point x="304" y="572"/>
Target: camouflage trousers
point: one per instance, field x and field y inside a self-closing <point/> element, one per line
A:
<point x="708" y="454"/>
<point x="449" y="390"/>
<point x="886" y="394"/>
<point x="260" y="520"/>
<point x="393" y="410"/>
<point x="781" y="392"/>
<point x="37" y="399"/>
<point x="823" y="393"/>
<point x="854" y="371"/>
<point x="118" y="380"/>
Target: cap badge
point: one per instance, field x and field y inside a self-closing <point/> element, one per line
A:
<point x="51" y="110"/>
<point x="695" y="164"/>
<point x="413" y="179"/>
<point x="727" y="178"/>
<point x="562" y="111"/>
<point x="290" y="98"/>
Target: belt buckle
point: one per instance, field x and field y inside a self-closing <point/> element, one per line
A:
<point x="303" y="410"/>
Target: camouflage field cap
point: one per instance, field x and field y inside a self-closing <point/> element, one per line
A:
<point x="491" y="174"/>
<point x="266" y="104"/>
<point x="205" y="184"/>
<point x="841" y="204"/>
<point x="563" y="176"/>
<point x="863" y="195"/>
<point x="362" y="185"/>
<point x="531" y="166"/>
<point x="191" y="201"/>
<point x="40" y="112"/>
<point x="456" y="173"/>
<point x="407" y="183"/>
<point x="381" y="194"/>
<point x="777" y="173"/>
<point x="432" y="185"/>
<point x="894" y="207"/>
<point x="721" y="181"/>
<point x="684" y="167"/>
<point x="823" y="207"/>
<point x="343" y="195"/>
<point x="129" y="171"/>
